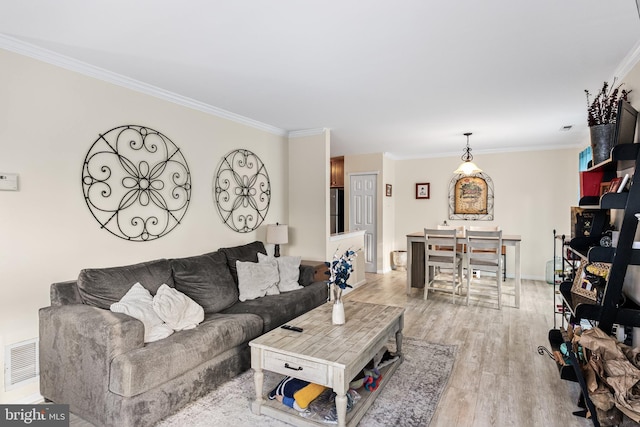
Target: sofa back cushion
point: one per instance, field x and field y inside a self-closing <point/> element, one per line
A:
<point x="207" y="280"/>
<point x="101" y="287"/>
<point x="245" y="253"/>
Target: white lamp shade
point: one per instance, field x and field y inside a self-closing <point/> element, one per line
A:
<point x="277" y="234"/>
<point x="468" y="168"/>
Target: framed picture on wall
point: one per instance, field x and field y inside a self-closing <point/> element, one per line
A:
<point x="388" y="190"/>
<point x="423" y="190"/>
<point x="471" y="197"/>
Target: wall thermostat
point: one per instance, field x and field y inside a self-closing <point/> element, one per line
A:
<point x="8" y="181"/>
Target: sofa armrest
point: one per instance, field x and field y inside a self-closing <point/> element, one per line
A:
<point x="65" y="293"/>
<point x="77" y="344"/>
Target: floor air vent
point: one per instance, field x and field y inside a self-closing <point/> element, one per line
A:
<point x="22" y="364"/>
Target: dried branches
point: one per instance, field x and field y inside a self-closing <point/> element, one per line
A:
<point x="604" y="108"/>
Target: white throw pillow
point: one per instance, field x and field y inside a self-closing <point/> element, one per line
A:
<point x="257" y="279"/>
<point x="138" y="303"/>
<point x="176" y="309"/>
<point x="288" y="271"/>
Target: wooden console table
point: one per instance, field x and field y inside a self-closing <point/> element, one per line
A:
<point x="415" y="261"/>
<point x="319" y="268"/>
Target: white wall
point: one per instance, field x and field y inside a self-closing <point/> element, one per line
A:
<point x="533" y="194"/>
<point x="49" y="118"/>
<point x="309" y="196"/>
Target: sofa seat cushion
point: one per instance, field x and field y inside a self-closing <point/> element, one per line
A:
<point x="207" y="280"/>
<point x="101" y="287"/>
<point x="276" y="310"/>
<point x="143" y="369"/>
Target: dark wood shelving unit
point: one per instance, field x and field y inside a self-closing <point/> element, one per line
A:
<point x="614" y="309"/>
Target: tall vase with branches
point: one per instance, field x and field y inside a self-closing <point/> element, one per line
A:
<point x="602" y="113"/>
<point x="340" y="269"/>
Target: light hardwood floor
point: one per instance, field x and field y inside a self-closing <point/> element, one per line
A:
<point x="499" y="379"/>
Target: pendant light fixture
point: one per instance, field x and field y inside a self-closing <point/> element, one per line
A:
<point x="467" y="167"/>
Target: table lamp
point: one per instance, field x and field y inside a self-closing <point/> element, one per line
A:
<point x="277" y="234"/>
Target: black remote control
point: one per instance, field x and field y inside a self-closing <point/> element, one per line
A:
<point x="291" y="328"/>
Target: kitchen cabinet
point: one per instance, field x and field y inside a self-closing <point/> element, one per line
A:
<point x="337" y="172"/>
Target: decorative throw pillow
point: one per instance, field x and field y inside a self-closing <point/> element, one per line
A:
<point x="138" y="303"/>
<point x="288" y="271"/>
<point x="256" y="279"/>
<point x="244" y="253"/>
<point x="176" y="309"/>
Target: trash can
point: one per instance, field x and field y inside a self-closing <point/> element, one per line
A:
<point x="553" y="270"/>
<point x="399" y="259"/>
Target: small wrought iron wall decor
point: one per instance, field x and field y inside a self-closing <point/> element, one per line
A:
<point x="136" y="183"/>
<point x="471" y="197"/>
<point x="242" y="191"/>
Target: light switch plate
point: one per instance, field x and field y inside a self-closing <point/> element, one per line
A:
<point x="8" y="181"/>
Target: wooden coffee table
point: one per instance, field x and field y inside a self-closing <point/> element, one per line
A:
<point x="327" y="354"/>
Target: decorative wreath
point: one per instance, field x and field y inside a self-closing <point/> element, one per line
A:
<point x="136" y="183"/>
<point x="242" y="191"/>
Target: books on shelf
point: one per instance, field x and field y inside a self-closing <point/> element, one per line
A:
<point x="623" y="183"/>
<point x="618" y="184"/>
<point x="614" y="185"/>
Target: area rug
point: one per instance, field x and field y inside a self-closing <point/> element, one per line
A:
<point x="409" y="398"/>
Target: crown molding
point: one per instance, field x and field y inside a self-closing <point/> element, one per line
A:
<point x="27" y="49"/>
<point x="628" y="62"/>
<point x="306" y="132"/>
<point x="417" y="156"/>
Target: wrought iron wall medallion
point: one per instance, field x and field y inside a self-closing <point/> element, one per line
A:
<point x="242" y="191"/>
<point x="136" y="183"/>
<point x="471" y="197"/>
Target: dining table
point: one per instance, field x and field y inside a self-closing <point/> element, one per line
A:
<point x="416" y="264"/>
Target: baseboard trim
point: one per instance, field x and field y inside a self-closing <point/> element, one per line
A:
<point x="30" y="400"/>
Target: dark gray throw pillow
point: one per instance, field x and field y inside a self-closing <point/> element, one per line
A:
<point x="101" y="287"/>
<point x="244" y="253"/>
<point x="206" y="279"/>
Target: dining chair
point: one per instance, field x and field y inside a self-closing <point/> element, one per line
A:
<point x="441" y="251"/>
<point x="459" y="229"/>
<point x="483" y="252"/>
<point x="503" y="250"/>
<point x="459" y="233"/>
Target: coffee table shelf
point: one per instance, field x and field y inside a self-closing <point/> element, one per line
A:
<point x="277" y="410"/>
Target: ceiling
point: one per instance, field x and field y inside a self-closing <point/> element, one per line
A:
<point x="405" y="77"/>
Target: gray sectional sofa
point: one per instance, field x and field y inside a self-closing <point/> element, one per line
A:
<point x="96" y="360"/>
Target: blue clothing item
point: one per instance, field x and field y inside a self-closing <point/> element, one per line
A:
<point x="287" y="388"/>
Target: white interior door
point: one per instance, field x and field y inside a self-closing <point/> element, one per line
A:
<point x="363" y="215"/>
